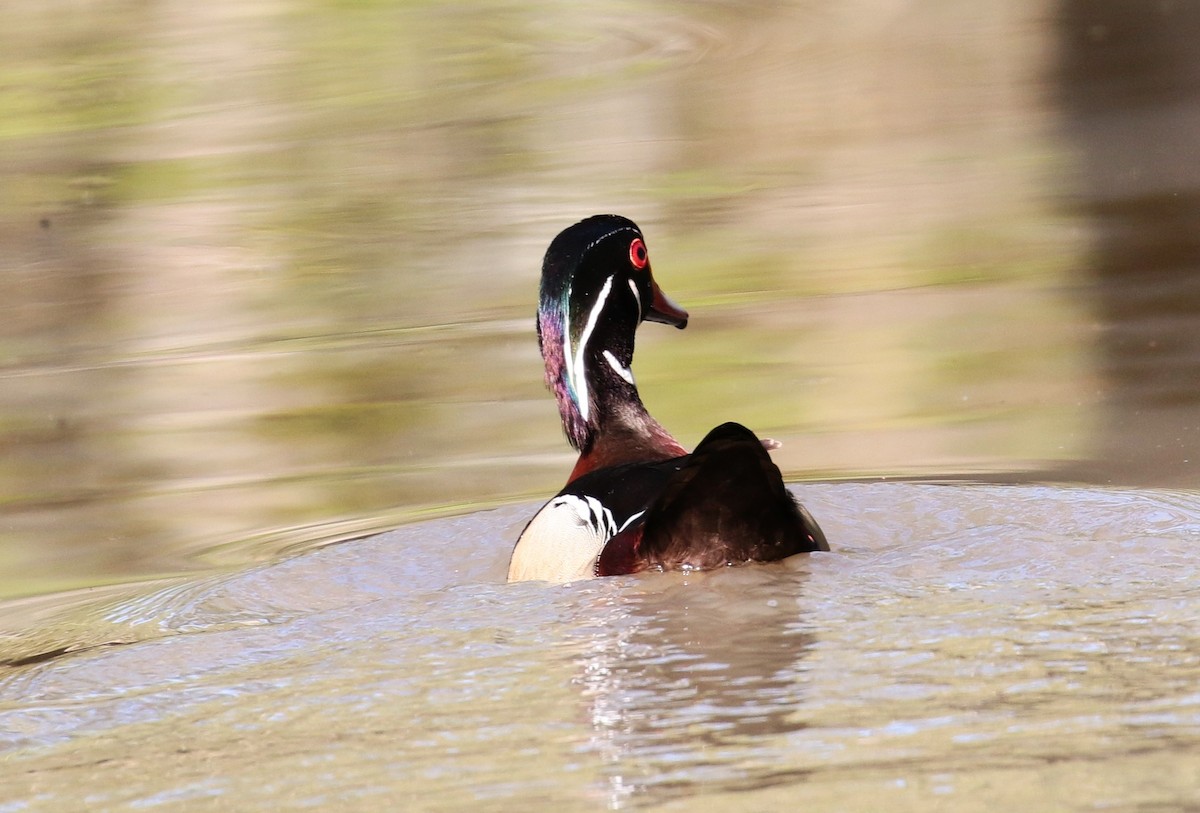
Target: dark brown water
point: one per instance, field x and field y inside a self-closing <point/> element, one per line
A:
<point x="268" y="279"/>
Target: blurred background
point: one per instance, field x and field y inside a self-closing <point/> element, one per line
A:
<point x="268" y="270"/>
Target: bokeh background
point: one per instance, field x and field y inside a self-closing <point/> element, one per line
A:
<point x="268" y="270"/>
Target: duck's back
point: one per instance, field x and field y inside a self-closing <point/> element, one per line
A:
<point x="725" y="503"/>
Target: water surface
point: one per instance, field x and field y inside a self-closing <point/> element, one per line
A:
<point x="971" y="646"/>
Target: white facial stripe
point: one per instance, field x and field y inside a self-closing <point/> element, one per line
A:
<point x="576" y="371"/>
<point x="604" y="237"/>
<point x="636" y="295"/>
<point x="624" y="372"/>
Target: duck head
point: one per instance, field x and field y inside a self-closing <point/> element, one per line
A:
<point x="596" y="289"/>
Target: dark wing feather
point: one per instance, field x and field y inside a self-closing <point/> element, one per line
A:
<point x="727" y="504"/>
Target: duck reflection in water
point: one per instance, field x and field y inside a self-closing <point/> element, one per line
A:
<point x="679" y="673"/>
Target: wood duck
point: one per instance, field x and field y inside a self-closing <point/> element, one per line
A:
<point x="636" y="500"/>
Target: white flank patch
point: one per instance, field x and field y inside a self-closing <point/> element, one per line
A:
<point x="576" y="371"/>
<point x="624" y="372"/>
<point x="562" y="542"/>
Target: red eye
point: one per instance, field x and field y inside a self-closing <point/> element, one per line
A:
<point x="637" y="253"/>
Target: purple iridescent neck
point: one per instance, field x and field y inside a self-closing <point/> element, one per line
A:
<point x="552" y="333"/>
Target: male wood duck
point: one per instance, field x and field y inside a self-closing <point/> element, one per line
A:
<point x="636" y="500"/>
